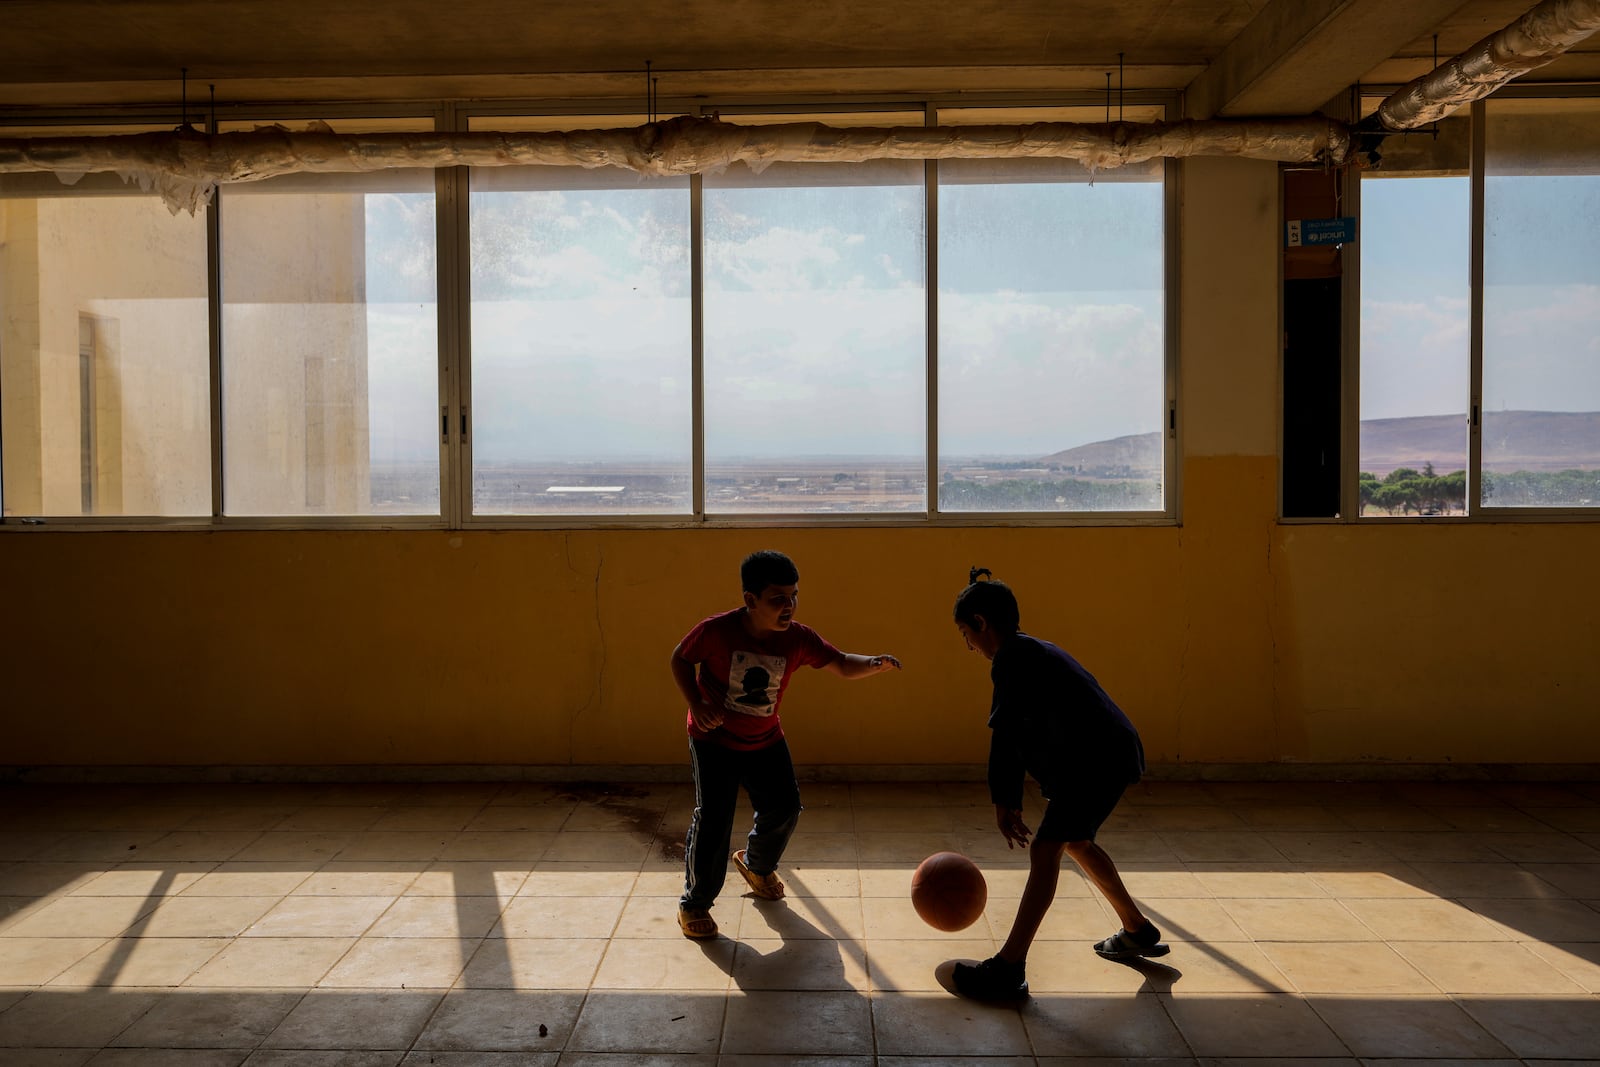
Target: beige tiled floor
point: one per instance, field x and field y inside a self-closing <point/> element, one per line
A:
<point x="532" y="924"/>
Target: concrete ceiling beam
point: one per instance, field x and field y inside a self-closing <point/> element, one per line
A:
<point x="1297" y="54"/>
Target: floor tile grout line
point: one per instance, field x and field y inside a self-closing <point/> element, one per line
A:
<point x="1301" y="865"/>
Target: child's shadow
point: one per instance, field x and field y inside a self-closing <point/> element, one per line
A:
<point x="810" y="956"/>
<point x="1158" y="977"/>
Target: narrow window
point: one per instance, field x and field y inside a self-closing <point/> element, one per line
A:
<point x="1541" y="305"/>
<point x="330" y="375"/>
<point x="1416" y="314"/>
<point x="582" y="399"/>
<point x="816" y="337"/>
<point x="105" y="393"/>
<point x="1052" y="334"/>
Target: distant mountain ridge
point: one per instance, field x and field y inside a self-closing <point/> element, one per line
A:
<point x="1134" y="456"/>
<point x="1512" y="440"/>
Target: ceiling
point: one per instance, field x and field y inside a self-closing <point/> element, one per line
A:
<point x="1230" y="57"/>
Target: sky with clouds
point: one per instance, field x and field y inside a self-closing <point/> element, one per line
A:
<point x="1541" y="295"/>
<point x="1050" y="320"/>
<point x="1050" y="326"/>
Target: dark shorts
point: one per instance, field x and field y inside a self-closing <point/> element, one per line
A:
<point x="1078" y="807"/>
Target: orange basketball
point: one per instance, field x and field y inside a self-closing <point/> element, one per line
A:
<point x="948" y="891"/>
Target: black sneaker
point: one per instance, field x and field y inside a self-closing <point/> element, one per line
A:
<point x="993" y="979"/>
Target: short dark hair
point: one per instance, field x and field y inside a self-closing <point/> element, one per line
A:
<point x="767" y="567"/>
<point x="993" y="600"/>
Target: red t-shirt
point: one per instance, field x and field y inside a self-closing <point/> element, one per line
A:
<point x="746" y="678"/>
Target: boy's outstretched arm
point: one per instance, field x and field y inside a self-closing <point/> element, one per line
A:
<point x="851" y="665"/>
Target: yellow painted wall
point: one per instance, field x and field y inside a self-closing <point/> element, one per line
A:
<point x="1229" y="638"/>
<point x="1477" y="644"/>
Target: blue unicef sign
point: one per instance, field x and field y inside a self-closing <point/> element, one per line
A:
<point x="1302" y="232"/>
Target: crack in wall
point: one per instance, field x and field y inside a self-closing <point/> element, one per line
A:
<point x="596" y="697"/>
<point x="1183" y="653"/>
<point x="572" y="719"/>
<point x="1276" y="706"/>
<point x="599" y="691"/>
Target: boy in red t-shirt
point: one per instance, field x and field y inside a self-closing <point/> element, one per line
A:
<point x="733" y="669"/>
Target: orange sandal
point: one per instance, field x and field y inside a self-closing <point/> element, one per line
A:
<point x="765" y="886"/>
<point x="697" y="924"/>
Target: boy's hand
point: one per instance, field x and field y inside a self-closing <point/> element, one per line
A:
<point x="1012" y="828"/>
<point x="706" y="717"/>
<point x="884" y="663"/>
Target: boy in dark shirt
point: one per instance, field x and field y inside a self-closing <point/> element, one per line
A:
<point x="732" y="669"/>
<point x="1050" y="719"/>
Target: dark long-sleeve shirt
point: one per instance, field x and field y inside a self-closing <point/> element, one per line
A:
<point x="1051" y="719"/>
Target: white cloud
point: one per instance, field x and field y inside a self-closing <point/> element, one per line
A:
<point x="1031" y="374"/>
<point x="776" y="259"/>
<point x="1539" y="347"/>
<point x="1414" y="357"/>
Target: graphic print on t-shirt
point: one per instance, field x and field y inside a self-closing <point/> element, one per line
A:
<point x="753" y="683"/>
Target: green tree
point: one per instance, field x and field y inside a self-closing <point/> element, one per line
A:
<point x="1453" y="491"/>
<point x="1367" y="486"/>
<point x="1401" y="474"/>
<point x="1408" y="490"/>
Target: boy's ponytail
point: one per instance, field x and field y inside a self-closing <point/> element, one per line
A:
<point x="991" y="599"/>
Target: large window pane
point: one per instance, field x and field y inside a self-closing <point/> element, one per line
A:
<point x="1416" y="347"/>
<point x="815" y="339"/>
<point x="1052" y="348"/>
<point x="105" y="395"/>
<point x="1541" y="304"/>
<point x="330" y="339"/>
<point x="581" y="350"/>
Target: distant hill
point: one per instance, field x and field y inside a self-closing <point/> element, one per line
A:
<point x="1135" y="456"/>
<point x="1512" y="440"/>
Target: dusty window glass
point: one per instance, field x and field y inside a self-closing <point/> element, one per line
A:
<point x="581" y="347"/>
<point x="1416" y="319"/>
<point x="105" y="396"/>
<point x="1541" y="304"/>
<point x="815" y="339"/>
<point x="330" y="372"/>
<point x="1052" y="353"/>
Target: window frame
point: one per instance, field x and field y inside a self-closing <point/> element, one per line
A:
<point x="48" y="122"/>
<point x="1476" y="512"/>
<point x="453" y="320"/>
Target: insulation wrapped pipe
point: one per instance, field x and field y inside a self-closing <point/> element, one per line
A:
<point x="1535" y="39"/>
<point x="185" y="165"/>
